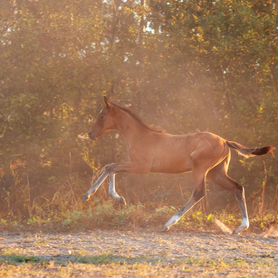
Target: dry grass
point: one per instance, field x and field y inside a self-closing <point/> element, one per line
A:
<point x="63" y="210"/>
<point x="108" y="215"/>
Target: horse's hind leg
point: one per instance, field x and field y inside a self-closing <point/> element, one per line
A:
<point x="202" y="160"/>
<point x="219" y="176"/>
<point x="239" y="193"/>
<point x="197" y="195"/>
<point x="112" y="190"/>
<point x="240" y="196"/>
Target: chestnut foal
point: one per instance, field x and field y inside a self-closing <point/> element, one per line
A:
<point x="205" y="154"/>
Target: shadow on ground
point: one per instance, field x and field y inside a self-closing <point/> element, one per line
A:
<point x="64" y="260"/>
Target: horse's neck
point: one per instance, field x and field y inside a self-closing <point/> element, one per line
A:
<point x="129" y="128"/>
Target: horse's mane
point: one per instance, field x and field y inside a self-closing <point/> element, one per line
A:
<point x="134" y="116"/>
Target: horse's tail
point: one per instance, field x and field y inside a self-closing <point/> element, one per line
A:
<point x="250" y="152"/>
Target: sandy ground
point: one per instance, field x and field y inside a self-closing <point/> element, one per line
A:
<point x="136" y="254"/>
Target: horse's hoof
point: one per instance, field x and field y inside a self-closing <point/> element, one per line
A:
<point x="122" y="201"/>
<point x="165" y="229"/>
<point x="235" y="232"/>
<point x="239" y="230"/>
<point x="85" y="198"/>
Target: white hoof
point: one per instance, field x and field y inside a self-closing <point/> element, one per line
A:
<point x="244" y="226"/>
<point x="165" y="229"/>
<point x="172" y="221"/>
<point x="86" y="198"/>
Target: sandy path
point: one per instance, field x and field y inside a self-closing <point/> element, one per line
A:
<point x="124" y="254"/>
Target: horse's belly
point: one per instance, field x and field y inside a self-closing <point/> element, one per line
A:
<point x="174" y="165"/>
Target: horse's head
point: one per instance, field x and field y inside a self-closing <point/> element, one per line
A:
<point x="105" y="121"/>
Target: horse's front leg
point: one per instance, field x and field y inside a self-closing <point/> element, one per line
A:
<point x="112" y="190"/>
<point x="110" y="170"/>
<point x="95" y="185"/>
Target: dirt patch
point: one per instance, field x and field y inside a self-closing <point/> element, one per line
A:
<point x="136" y="253"/>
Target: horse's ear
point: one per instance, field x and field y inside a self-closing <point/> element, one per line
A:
<point x="106" y="101"/>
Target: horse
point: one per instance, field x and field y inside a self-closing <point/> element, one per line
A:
<point x="205" y="154"/>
